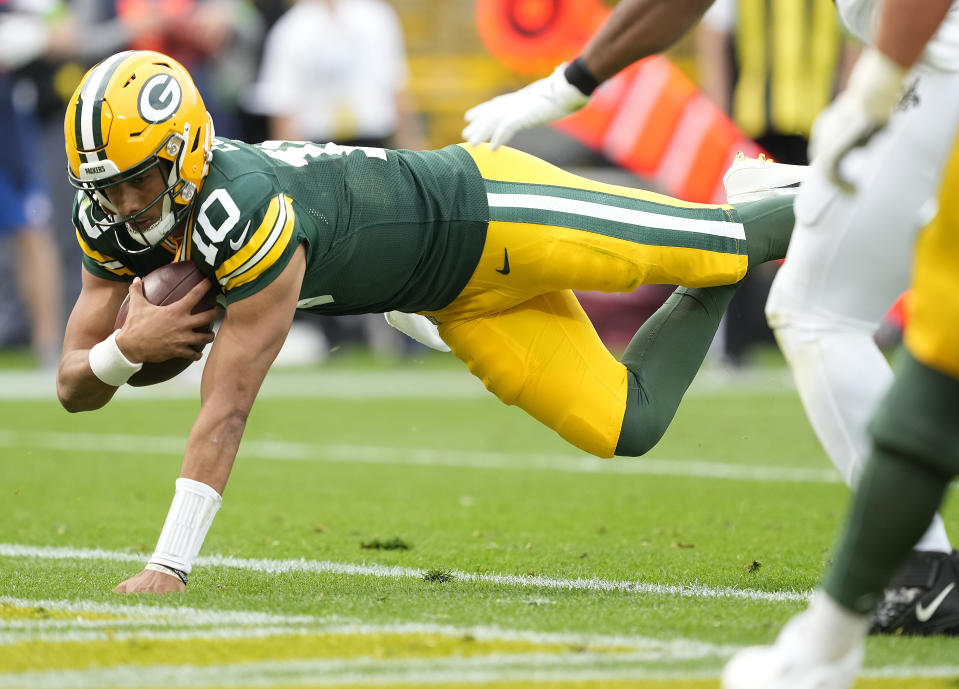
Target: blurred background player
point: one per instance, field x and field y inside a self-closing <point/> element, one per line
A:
<point x="336" y="70"/>
<point x="45" y="47"/>
<point x="856" y="220"/>
<point x="914" y="454"/>
<point x="848" y="259"/>
<point x="25" y="212"/>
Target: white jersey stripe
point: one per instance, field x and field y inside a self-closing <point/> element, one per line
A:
<point x="91" y="230"/>
<point x="628" y="216"/>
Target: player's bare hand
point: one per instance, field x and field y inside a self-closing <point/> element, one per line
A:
<point x="149" y="581"/>
<point x="158" y="333"/>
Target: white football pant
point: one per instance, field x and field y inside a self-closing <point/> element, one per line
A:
<point x="849" y="259"/>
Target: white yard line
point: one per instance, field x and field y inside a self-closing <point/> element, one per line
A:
<point x="399" y="383"/>
<point x="360" y="671"/>
<point x="183" y="622"/>
<point x="419" y="456"/>
<point x="662" y="650"/>
<point x="391" y="572"/>
<point x="160" y="614"/>
<point x="412" y="672"/>
<point x="113" y="634"/>
<point x="279" y="384"/>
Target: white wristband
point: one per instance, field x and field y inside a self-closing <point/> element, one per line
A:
<point x="191" y="514"/>
<point x="108" y="363"/>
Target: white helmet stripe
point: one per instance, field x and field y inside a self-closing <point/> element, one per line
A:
<point x="88" y="108"/>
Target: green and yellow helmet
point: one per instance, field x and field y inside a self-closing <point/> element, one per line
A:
<point x="137" y="110"/>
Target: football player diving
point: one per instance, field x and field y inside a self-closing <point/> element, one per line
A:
<point x="486" y="245"/>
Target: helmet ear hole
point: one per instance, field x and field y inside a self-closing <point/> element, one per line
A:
<point x="196" y="140"/>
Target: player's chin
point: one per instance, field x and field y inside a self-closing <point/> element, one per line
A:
<point x="142" y="225"/>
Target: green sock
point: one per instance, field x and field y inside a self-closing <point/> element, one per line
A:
<point x="667" y="352"/>
<point x="769" y="225"/>
<point x="663" y="358"/>
<point x="915" y="455"/>
<point x="894" y="503"/>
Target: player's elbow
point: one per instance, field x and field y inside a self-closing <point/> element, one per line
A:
<point x="66" y="393"/>
<point x="73" y="399"/>
<point x="75" y="404"/>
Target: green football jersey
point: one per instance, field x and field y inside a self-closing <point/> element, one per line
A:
<point x="383" y="230"/>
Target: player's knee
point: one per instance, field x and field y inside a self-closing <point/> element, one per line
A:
<point x="792" y="335"/>
<point x="645" y="420"/>
<point x="639" y="441"/>
<point x="779" y="314"/>
<point x="790" y="302"/>
<point x="637" y="446"/>
<point x="916" y="418"/>
<point x="642" y="430"/>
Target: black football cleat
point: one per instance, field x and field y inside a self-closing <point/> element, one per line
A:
<point x="923" y="597"/>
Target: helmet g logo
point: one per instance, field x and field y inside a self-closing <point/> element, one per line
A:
<point x="159" y="98"/>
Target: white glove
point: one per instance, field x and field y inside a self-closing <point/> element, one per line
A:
<point x="420" y="328"/>
<point x="860" y="111"/>
<point x="543" y="101"/>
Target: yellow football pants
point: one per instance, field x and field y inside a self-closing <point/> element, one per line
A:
<point x="932" y="335"/>
<point x="517" y="324"/>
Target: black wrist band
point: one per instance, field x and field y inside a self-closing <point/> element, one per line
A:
<point x="178" y="573"/>
<point x="579" y="76"/>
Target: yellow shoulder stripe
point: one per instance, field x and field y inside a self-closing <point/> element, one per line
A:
<point x="270" y="250"/>
<point x="260" y="236"/>
<point x="90" y="251"/>
<point x="102" y="260"/>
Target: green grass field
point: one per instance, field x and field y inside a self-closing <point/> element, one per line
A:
<point x="397" y="526"/>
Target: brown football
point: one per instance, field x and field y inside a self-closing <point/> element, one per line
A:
<point x="162" y="286"/>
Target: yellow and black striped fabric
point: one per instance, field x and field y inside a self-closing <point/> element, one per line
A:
<point x="787" y="55"/>
<point x="932" y="334"/>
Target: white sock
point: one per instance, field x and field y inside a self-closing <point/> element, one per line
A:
<point x="833" y="631"/>
<point x="935" y="539"/>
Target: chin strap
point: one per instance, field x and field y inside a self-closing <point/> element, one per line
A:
<point x="155" y="234"/>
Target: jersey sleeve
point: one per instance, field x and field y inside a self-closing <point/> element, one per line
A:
<point x="94" y="259"/>
<point x="247" y="232"/>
